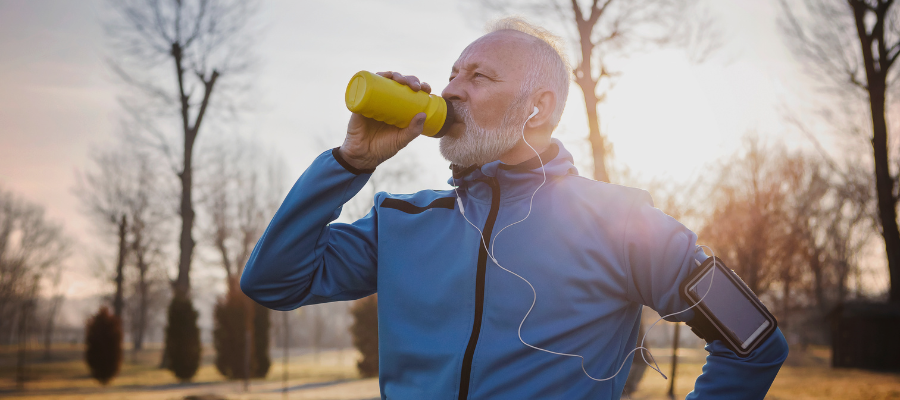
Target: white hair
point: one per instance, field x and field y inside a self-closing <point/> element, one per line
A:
<point x="549" y="68"/>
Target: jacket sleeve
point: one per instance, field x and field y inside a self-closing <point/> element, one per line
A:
<point x="302" y="258"/>
<point x="659" y="253"/>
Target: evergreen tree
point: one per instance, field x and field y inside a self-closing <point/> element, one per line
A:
<point x="261" y="325"/>
<point x="183" y="339"/>
<point x="230" y="335"/>
<point x="103" y="340"/>
<point x="365" y="334"/>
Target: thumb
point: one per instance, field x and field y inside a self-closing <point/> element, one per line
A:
<point x="415" y="128"/>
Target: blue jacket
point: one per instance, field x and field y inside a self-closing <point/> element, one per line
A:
<point x="448" y="316"/>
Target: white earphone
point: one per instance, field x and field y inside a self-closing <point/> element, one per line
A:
<point x="490" y="253"/>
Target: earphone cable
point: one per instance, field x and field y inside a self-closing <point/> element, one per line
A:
<point x="490" y="253"/>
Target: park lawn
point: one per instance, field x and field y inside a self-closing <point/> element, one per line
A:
<point x="332" y="376"/>
<point x="806" y="375"/>
<point x="70" y="378"/>
<point x="792" y="383"/>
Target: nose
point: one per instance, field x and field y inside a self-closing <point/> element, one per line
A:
<point x="454" y="91"/>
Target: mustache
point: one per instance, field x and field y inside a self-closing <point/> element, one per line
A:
<point x="464" y="115"/>
<point x="461" y="111"/>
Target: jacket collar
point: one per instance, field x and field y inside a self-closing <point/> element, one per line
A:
<point x="517" y="179"/>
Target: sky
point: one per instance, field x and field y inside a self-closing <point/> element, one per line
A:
<point x="667" y="118"/>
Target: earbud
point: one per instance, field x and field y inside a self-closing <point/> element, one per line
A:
<point x="533" y="113"/>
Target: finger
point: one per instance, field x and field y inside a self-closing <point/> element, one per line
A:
<point x="399" y="78"/>
<point x="415" y="128"/>
<point x="413" y="83"/>
<point x="426" y="87"/>
<point x="386" y="74"/>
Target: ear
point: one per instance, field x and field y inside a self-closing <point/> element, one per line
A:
<point x="545" y="101"/>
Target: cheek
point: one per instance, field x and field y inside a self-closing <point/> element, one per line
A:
<point x="488" y="110"/>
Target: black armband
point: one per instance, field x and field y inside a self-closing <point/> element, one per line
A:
<point x="727" y="310"/>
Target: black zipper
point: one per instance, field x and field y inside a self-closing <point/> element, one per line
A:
<point x="466" y="372"/>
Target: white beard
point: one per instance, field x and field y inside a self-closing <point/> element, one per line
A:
<point x="479" y="146"/>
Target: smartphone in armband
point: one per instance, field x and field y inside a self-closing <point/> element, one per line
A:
<point x="729" y="311"/>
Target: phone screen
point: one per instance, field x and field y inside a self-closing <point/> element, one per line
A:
<point x="730" y="306"/>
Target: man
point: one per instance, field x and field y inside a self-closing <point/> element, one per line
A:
<point x="449" y="316"/>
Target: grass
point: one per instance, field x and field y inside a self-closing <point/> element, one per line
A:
<point x="332" y="375"/>
<point x="806" y="375"/>
<point x="67" y="377"/>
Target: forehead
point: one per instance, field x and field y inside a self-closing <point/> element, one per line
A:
<point x="502" y="51"/>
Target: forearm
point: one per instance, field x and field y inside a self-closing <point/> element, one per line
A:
<point x="293" y="248"/>
<point x="726" y="376"/>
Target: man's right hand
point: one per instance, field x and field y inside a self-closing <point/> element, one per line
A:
<point x="369" y="142"/>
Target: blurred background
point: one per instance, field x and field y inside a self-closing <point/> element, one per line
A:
<point x="145" y="145"/>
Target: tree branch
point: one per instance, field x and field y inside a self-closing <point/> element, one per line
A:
<point x="208" y="85"/>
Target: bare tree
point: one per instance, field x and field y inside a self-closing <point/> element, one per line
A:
<point x="852" y="45"/>
<point x="205" y="41"/>
<point x="121" y="193"/>
<point x="604" y="30"/>
<point x="243" y="186"/>
<point x="802" y="242"/>
<point x="30" y="246"/>
<point x="105" y="194"/>
<point x="793" y="227"/>
<point x="847" y="235"/>
<point x="54" y="301"/>
<point x="746" y="222"/>
<point x="149" y="227"/>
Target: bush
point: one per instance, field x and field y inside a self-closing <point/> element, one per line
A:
<point x="261" y="341"/>
<point x="103" y="340"/>
<point x="183" y="339"/>
<point x="229" y="334"/>
<point x="365" y="334"/>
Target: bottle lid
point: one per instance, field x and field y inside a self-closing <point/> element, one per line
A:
<point x="356" y="92"/>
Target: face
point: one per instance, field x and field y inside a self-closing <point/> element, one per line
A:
<point x="486" y="91"/>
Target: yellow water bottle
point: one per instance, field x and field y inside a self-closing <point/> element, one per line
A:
<point x="388" y="101"/>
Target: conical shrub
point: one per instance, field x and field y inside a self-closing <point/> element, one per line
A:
<point x="365" y="334"/>
<point x="103" y="340"/>
<point x="230" y="335"/>
<point x="183" y="339"/>
<point x="261" y="325"/>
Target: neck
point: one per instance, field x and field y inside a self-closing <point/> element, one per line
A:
<point x="521" y="152"/>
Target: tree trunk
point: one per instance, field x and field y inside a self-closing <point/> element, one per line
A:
<point x="638" y="367"/>
<point x="674" y="360"/>
<point x="21" y="363"/>
<point x="141" y="326"/>
<point x="183" y="282"/>
<point x="784" y="321"/>
<point x="48" y="339"/>
<point x="585" y="79"/>
<point x="887" y="203"/>
<point x="842" y="280"/>
<point x="876" y="74"/>
<point x="48" y="329"/>
<point x="286" y="331"/>
<point x="598" y="142"/>
<point x="248" y="338"/>
<point x="118" y="301"/>
<point x="815" y="264"/>
<point x="182" y="285"/>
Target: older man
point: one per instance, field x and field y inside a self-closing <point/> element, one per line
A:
<point x="453" y="289"/>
